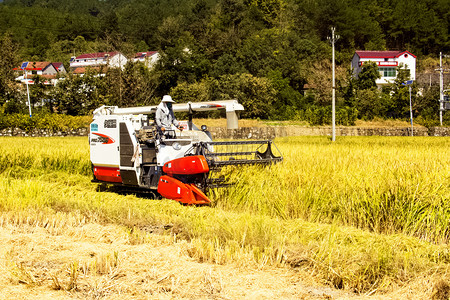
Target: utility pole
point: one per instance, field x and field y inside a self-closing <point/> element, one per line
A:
<point x="410" y="111"/>
<point x="441" y="86"/>
<point x="28" y="95"/>
<point x="409" y="83"/>
<point x="333" y="39"/>
<point x="24" y="67"/>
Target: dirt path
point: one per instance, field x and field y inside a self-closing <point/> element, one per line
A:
<point x="96" y="261"/>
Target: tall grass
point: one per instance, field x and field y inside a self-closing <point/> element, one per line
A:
<point x="345" y="256"/>
<point x="45" y="153"/>
<point x="363" y="212"/>
<point x="386" y="185"/>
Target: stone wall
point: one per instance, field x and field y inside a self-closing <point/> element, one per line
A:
<point x="265" y="132"/>
<point x="43" y="132"/>
<point x="280" y="131"/>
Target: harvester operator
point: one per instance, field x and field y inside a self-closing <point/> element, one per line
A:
<point x="165" y="116"/>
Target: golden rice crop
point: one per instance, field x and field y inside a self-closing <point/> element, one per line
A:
<point x="364" y="212"/>
<point x="386" y="185"/>
<point x="45" y="153"/>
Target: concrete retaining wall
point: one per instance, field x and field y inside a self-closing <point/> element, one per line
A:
<point x="43" y="132"/>
<point x="265" y="132"/>
<point x="280" y="131"/>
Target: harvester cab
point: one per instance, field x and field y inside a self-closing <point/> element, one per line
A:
<point x="127" y="149"/>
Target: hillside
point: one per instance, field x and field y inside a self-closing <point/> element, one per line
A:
<point x="274" y="56"/>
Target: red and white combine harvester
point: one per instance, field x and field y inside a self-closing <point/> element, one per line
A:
<point x="128" y="150"/>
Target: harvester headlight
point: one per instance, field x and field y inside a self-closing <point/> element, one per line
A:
<point x="176" y="146"/>
<point x="204" y="128"/>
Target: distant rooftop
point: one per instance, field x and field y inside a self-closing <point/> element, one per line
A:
<point x="96" y="55"/>
<point x="381" y="54"/>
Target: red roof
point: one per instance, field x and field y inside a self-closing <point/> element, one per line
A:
<point x="145" y="54"/>
<point x="57" y="65"/>
<point x="96" y="55"/>
<point x="381" y="54"/>
<point x="82" y="70"/>
<point x="48" y="76"/>
<point x="35" y="66"/>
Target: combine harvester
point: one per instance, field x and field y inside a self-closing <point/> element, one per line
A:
<point x="128" y="150"/>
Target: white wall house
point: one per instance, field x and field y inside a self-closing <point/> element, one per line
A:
<point x="43" y="69"/>
<point x="149" y="58"/>
<point x="387" y="62"/>
<point x="99" y="59"/>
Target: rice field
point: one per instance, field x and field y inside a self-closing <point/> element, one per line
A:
<point x="366" y="214"/>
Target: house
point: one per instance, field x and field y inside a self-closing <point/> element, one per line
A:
<point x="41" y="68"/>
<point x="149" y="58"/>
<point x="387" y="62"/>
<point x="37" y="68"/>
<point x="99" y="59"/>
<point x="59" y="66"/>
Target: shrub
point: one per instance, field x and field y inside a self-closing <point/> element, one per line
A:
<point x="322" y="115"/>
<point x="52" y="122"/>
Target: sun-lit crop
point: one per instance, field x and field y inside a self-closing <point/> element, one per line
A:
<point x="364" y="212"/>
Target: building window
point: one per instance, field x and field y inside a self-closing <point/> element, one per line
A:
<point x="387" y="72"/>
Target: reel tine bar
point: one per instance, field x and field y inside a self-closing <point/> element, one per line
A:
<point x="230" y="153"/>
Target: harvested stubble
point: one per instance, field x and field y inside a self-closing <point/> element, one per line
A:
<point x="366" y="213"/>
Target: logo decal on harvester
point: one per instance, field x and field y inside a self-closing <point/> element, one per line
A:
<point x="102" y="138"/>
<point x="94" y="127"/>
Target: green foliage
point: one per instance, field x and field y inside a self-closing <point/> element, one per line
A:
<point x="280" y="41"/>
<point x="54" y="122"/>
<point x="256" y="94"/>
<point x="8" y="61"/>
<point x="195" y="92"/>
<point x="369" y="103"/>
<point x="134" y="85"/>
<point x="318" y="115"/>
<point x="368" y="76"/>
<point x="399" y="94"/>
<point x="288" y="100"/>
<point x="76" y="95"/>
<point x="346" y="116"/>
<point x="321" y="115"/>
<point x="227" y="64"/>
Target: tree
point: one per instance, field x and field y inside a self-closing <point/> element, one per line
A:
<point x="320" y="79"/>
<point x="370" y="103"/>
<point x="270" y="10"/>
<point x="195" y="92"/>
<point x="288" y="100"/>
<point x="38" y="91"/>
<point x="181" y="59"/>
<point x="256" y="94"/>
<point x="134" y="85"/>
<point x="8" y="61"/>
<point x="80" y="95"/>
<point x="418" y="27"/>
<point x="399" y="94"/>
<point x="227" y="64"/>
<point x="368" y="76"/>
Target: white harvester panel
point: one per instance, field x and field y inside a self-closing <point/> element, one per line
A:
<point x="172" y="149"/>
<point x="104" y="141"/>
